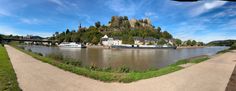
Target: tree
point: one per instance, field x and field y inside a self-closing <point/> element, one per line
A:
<point x="126" y="18"/>
<point x="95" y="40"/>
<point x="67" y="31"/>
<point x="127" y="39"/>
<point x="161" y="42"/>
<point x="137" y="24"/>
<point x="67" y="38"/>
<point x="193" y="42"/>
<point x="56" y="33"/>
<point x="189" y="43"/>
<point x="166" y="35"/>
<point x="178" y="42"/>
<point x="158" y="29"/>
<point x="200" y="43"/>
<point x="97" y="24"/>
<point x="1" y="38"/>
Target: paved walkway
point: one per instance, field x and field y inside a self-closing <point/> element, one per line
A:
<point x="34" y="75"/>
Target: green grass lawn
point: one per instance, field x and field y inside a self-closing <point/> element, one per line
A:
<point x="8" y="81"/>
<point x="112" y="75"/>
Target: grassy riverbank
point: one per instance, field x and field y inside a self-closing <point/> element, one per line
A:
<point x="232" y="47"/>
<point x="125" y="75"/>
<point x="8" y="81"/>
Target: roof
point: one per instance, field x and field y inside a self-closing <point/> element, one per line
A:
<point x="104" y="39"/>
<point x="150" y="39"/>
<point x="105" y="36"/>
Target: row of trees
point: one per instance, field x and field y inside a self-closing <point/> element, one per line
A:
<point x="179" y="42"/>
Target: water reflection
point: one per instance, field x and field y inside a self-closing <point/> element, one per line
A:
<point x="137" y="59"/>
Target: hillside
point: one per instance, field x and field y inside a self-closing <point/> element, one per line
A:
<point x="222" y="43"/>
<point x="118" y="26"/>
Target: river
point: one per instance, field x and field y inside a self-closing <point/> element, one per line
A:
<point x="136" y="59"/>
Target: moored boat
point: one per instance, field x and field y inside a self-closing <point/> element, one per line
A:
<point x="71" y="45"/>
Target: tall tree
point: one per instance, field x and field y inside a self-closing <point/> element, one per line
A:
<point x="178" y="42"/>
<point x="67" y="31"/>
<point x="166" y="35"/>
<point x="193" y="42"/>
<point x="189" y="43"/>
<point x="161" y="42"/>
<point x="97" y="24"/>
<point x="158" y="29"/>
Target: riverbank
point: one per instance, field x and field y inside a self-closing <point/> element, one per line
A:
<point x="210" y="75"/>
<point x="181" y="47"/>
<point x="8" y="80"/>
<point x="121" y="75"/>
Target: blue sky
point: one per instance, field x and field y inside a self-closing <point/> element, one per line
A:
<point x="204" y="20"/>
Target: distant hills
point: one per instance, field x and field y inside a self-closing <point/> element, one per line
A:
<point x="222" y="43"/>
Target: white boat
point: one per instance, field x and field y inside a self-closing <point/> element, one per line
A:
<point x="71" y="45"/>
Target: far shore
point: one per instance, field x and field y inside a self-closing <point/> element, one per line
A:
<point x="180" y="47"/>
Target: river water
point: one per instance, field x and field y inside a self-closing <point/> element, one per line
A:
<point x="136" y="59"/>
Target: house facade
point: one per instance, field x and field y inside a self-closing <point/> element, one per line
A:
<point x="138" y="40"/>
<point x="150" y="40"/>
<point x="106" y="41"/>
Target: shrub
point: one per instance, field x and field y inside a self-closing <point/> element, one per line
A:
<point x="40" y="54"/>
<point x="233" y="46"/>
<point x="124" y="69"/>
<point x="93" y="67"/>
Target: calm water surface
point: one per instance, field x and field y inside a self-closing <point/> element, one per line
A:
<point x="136" y="59"/>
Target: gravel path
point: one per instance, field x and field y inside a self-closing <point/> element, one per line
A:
<point x="34" y="75"/>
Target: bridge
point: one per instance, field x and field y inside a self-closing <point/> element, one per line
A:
<point x="30" y="40"/>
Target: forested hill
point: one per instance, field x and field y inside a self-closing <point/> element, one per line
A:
<point x="222" y="43"/>
<point x="118" y="26"/>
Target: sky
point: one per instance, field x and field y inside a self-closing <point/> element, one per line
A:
<point x="205" y="20"/>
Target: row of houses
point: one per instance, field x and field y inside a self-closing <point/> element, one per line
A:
<point x="108" y="41"/>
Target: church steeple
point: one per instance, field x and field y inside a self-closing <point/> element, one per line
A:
<point x="79" y="27"/>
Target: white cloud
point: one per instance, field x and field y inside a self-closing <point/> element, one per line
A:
<point x="7" y="30"/>
<point x="228" y="12"/>
<point x="4" y="12"/>
<point x="206" y="6"/>
<point x="58" y="2"/>
<point x="201" y="32"/>
<point x="125" y="7"/>
<point x="10" y="7"/>
<point x="151" y="15"/>
<point x="30" y="21"/>
<point x="121" y="7"/>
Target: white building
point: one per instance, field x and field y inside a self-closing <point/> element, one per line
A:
<point x="117" y="41"/>
<point x="106" y="41"/>
<point x="138" y="40"/>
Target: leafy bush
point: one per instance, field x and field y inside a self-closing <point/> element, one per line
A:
<point x="124" y="69"/>
<point x="233" y="46"/>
